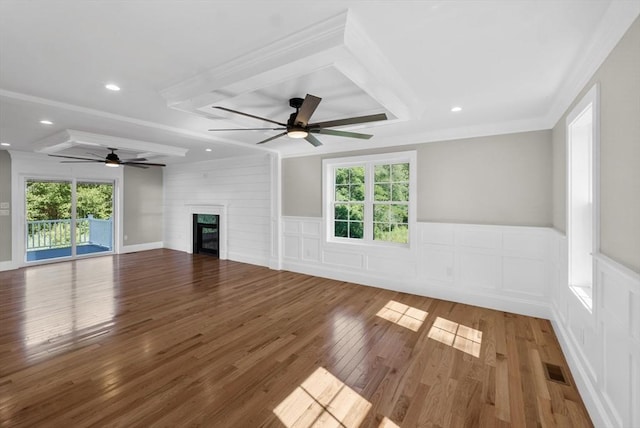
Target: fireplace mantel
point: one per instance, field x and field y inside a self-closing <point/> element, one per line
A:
<point x="214" y="209"/>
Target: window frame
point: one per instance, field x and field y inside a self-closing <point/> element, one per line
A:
<point x="368" y="161"/>
<point x="584" y="293"/>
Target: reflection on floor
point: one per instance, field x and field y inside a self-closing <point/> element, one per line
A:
<point x="54" y="253"/>
<point x="166" y="338"/>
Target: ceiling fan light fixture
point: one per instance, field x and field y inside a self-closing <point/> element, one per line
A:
<point x="112" y="160"/>
<point x="297" y="132"/>
<point x="299" y="125"/>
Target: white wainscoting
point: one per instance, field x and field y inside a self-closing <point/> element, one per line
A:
<point x="501" y="267"/>
<point x="510" y="268"/>
<point x="602" y="346"/>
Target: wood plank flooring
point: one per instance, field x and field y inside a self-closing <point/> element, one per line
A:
<point x="164" y="338"/>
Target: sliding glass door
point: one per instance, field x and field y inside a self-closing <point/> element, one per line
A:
<point x="49" y="222"/>
<point x="68" y="218"/>
<point x="94" y="217"/>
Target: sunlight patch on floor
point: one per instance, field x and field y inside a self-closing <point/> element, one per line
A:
<point x="461" y="337"/>
<point x="388" y="423"/>
<point x="403" y="315"/>
<point x="322" y="400"/>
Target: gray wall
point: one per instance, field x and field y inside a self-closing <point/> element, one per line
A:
<point x="302" y="180"/>
<point x="504" y="179"/>
<point x="619" y="80"/>
<point x="5" y="196"/>
<point x="142" y="220"/>
<point x="302" y="186"/>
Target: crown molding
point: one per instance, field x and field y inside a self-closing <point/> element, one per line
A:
<point x="70" y="137"/>
<point x="432" y="136"/>
<point x="339" y="43"/>
<point x="613" y="26"/>
<point x="117" y="117"/>
<point x="54" y="143"/>
<point x="303" y="44"/>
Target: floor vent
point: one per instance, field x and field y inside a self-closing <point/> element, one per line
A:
<point x="555" y="373"/>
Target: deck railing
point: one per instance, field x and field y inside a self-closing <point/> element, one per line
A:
<point x="45" y="234"/>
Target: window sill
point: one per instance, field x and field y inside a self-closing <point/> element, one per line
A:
<point x="370" y="246"/>
<point x="584" y="293"/>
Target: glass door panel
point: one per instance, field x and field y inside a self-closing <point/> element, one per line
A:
<point x="48" y="234"/>
<point x="94" y="217"/>
<point x="209" y="236"/>
<point x="206" y="235"/>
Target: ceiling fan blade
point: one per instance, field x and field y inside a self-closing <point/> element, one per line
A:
<point x="272" y="138"/>
<point x="313" y="140"/>
<point x="76" y="157"/>
<point x="249" y="115"/>
<point x="133" y="160"/>
<point x="349" y="121"/>
<point x="130" y="163"/>
<point x="341" y="133"/>
<point x="136" y="165"/>
<point x="83" y="161"/>
<point x="309" y="105"/>
<point x="248" y="129"/>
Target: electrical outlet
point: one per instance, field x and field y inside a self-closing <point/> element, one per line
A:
<point x="126" y="237"/>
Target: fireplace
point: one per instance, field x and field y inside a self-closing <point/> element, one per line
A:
<point x="219" y="210"/>
<point x="206" y="234"/>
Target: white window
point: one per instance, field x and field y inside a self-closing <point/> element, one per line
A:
<point x="582" y="139"/>
<point x="370" y="199"/>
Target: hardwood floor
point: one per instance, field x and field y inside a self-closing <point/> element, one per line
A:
<point x="164" y="338"/>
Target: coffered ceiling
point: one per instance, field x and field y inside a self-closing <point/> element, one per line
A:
<point x="510" y="65"/>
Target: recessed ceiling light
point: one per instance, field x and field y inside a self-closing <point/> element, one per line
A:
<point x="207" y="150"/>
<point x="112" y="87"/>
<point x="456" y="109"/>
<point x="46" y="122"/>
<point x="5" y="144"/>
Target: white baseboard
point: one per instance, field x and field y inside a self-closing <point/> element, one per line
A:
<point x="588" y="391"/>
<point x="500" y="302"/>
<point x="246" y="258"/>
<point x="141" y="247"/>
<point x="491" y="300"/>
<point x="8" y="265"/>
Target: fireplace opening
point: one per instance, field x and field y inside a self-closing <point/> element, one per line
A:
<point x="206" y="234"/>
